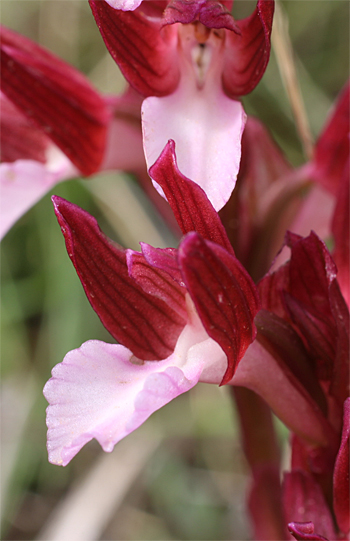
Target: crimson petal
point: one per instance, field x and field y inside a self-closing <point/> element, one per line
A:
<point x="224" y="295"/>
<point x="332" y="148"/>
<point x="146" y="55"/>
<point x="157" y="282"/>
<point x="247" y="55"/>
<point x="57" y="98"/>
<point x="141" y="322"/>
<point x="189" y="203"/>
<point x="19" y="138"/>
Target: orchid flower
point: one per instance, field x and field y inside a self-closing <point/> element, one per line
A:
<point x="201" y="316"/>
<point x="176" y="330"/>
<point x="56" y="126"/>
<point x="304" y="296"/>
<point x="271" y="197"/>
<point x="190" y="60"/>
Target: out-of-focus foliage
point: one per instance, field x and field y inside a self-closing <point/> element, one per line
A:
<point x="192" y="487"/>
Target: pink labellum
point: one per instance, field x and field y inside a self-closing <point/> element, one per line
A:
<point x="224" y="296"/>
<point x="146" y="55"/>
<point x="341" y="475"/>
<point x="56" y="98"/>
<point x="24" y="182"/>
<point x="207" y="127"/>
<point x="98" y="392"/>
<point x="246" y="55"/>
<point x="189" y="202"/>
<point x="142" y="322"/>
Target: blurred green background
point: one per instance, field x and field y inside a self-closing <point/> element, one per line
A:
<point x="189" y="479"/>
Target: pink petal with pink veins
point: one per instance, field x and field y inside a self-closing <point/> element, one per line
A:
<point x="96" y="392"/>
<point x="24" y="182"/>
<point x="207" y="128"/>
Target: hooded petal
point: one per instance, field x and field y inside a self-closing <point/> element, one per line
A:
<point x="97" y="391"/>
<point x="57" y="98"/>
<point x="146" y="55"/>
<point x="189" y="202"/>
<point x="247" y="54"/>
<point x="224" y="295"/>
<point x="211" y="13"/>
<point x="142" y="322"/>
<point x="207" y="127"/>
<point x="24" y="182"/>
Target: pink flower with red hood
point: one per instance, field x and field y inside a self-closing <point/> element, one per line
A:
<point x="185" y="316"/>
<point x="55" y="126"/>
<point x="176" y="329"/>
<point x="191" y="60"/>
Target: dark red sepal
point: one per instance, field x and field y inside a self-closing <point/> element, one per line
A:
<point x="146" y="55"/>
<point x="247" y="55"/>
<point x="139" y="321"/>
<point x="56" y="98"/>
<point x="332" y="147"/>
<point x="211" y="13"/>
<point x="19" y="139"/>
<point x="224" y="295"/>
<point x="189" y="203"/>
<point x="281" y="340"/>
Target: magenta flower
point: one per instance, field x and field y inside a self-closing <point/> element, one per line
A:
<point x="190" y="61"/>
<point x="55" y="126"/>
<point x="176" y="329"/>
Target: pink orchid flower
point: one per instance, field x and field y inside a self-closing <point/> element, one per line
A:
<point x="175" y="330"/>
<point x="56" y="126"/>
<point x="190" y="59"/>
<point x="183" y="316"/>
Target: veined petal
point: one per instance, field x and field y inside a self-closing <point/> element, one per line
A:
<point x="142" y="322"/>
<point x="57" y="98"/>
<point x="224" y="295"/>
<point x="156" y="282"/>
<point x="189" y="202"/>
<point x="97" y="392"/>
<point x="207" y="127"/>
<point x="24" y="182"/>
<point x="19" y="138"/>
<point x="146" y="55"/>
<point x="247" y="55"/>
